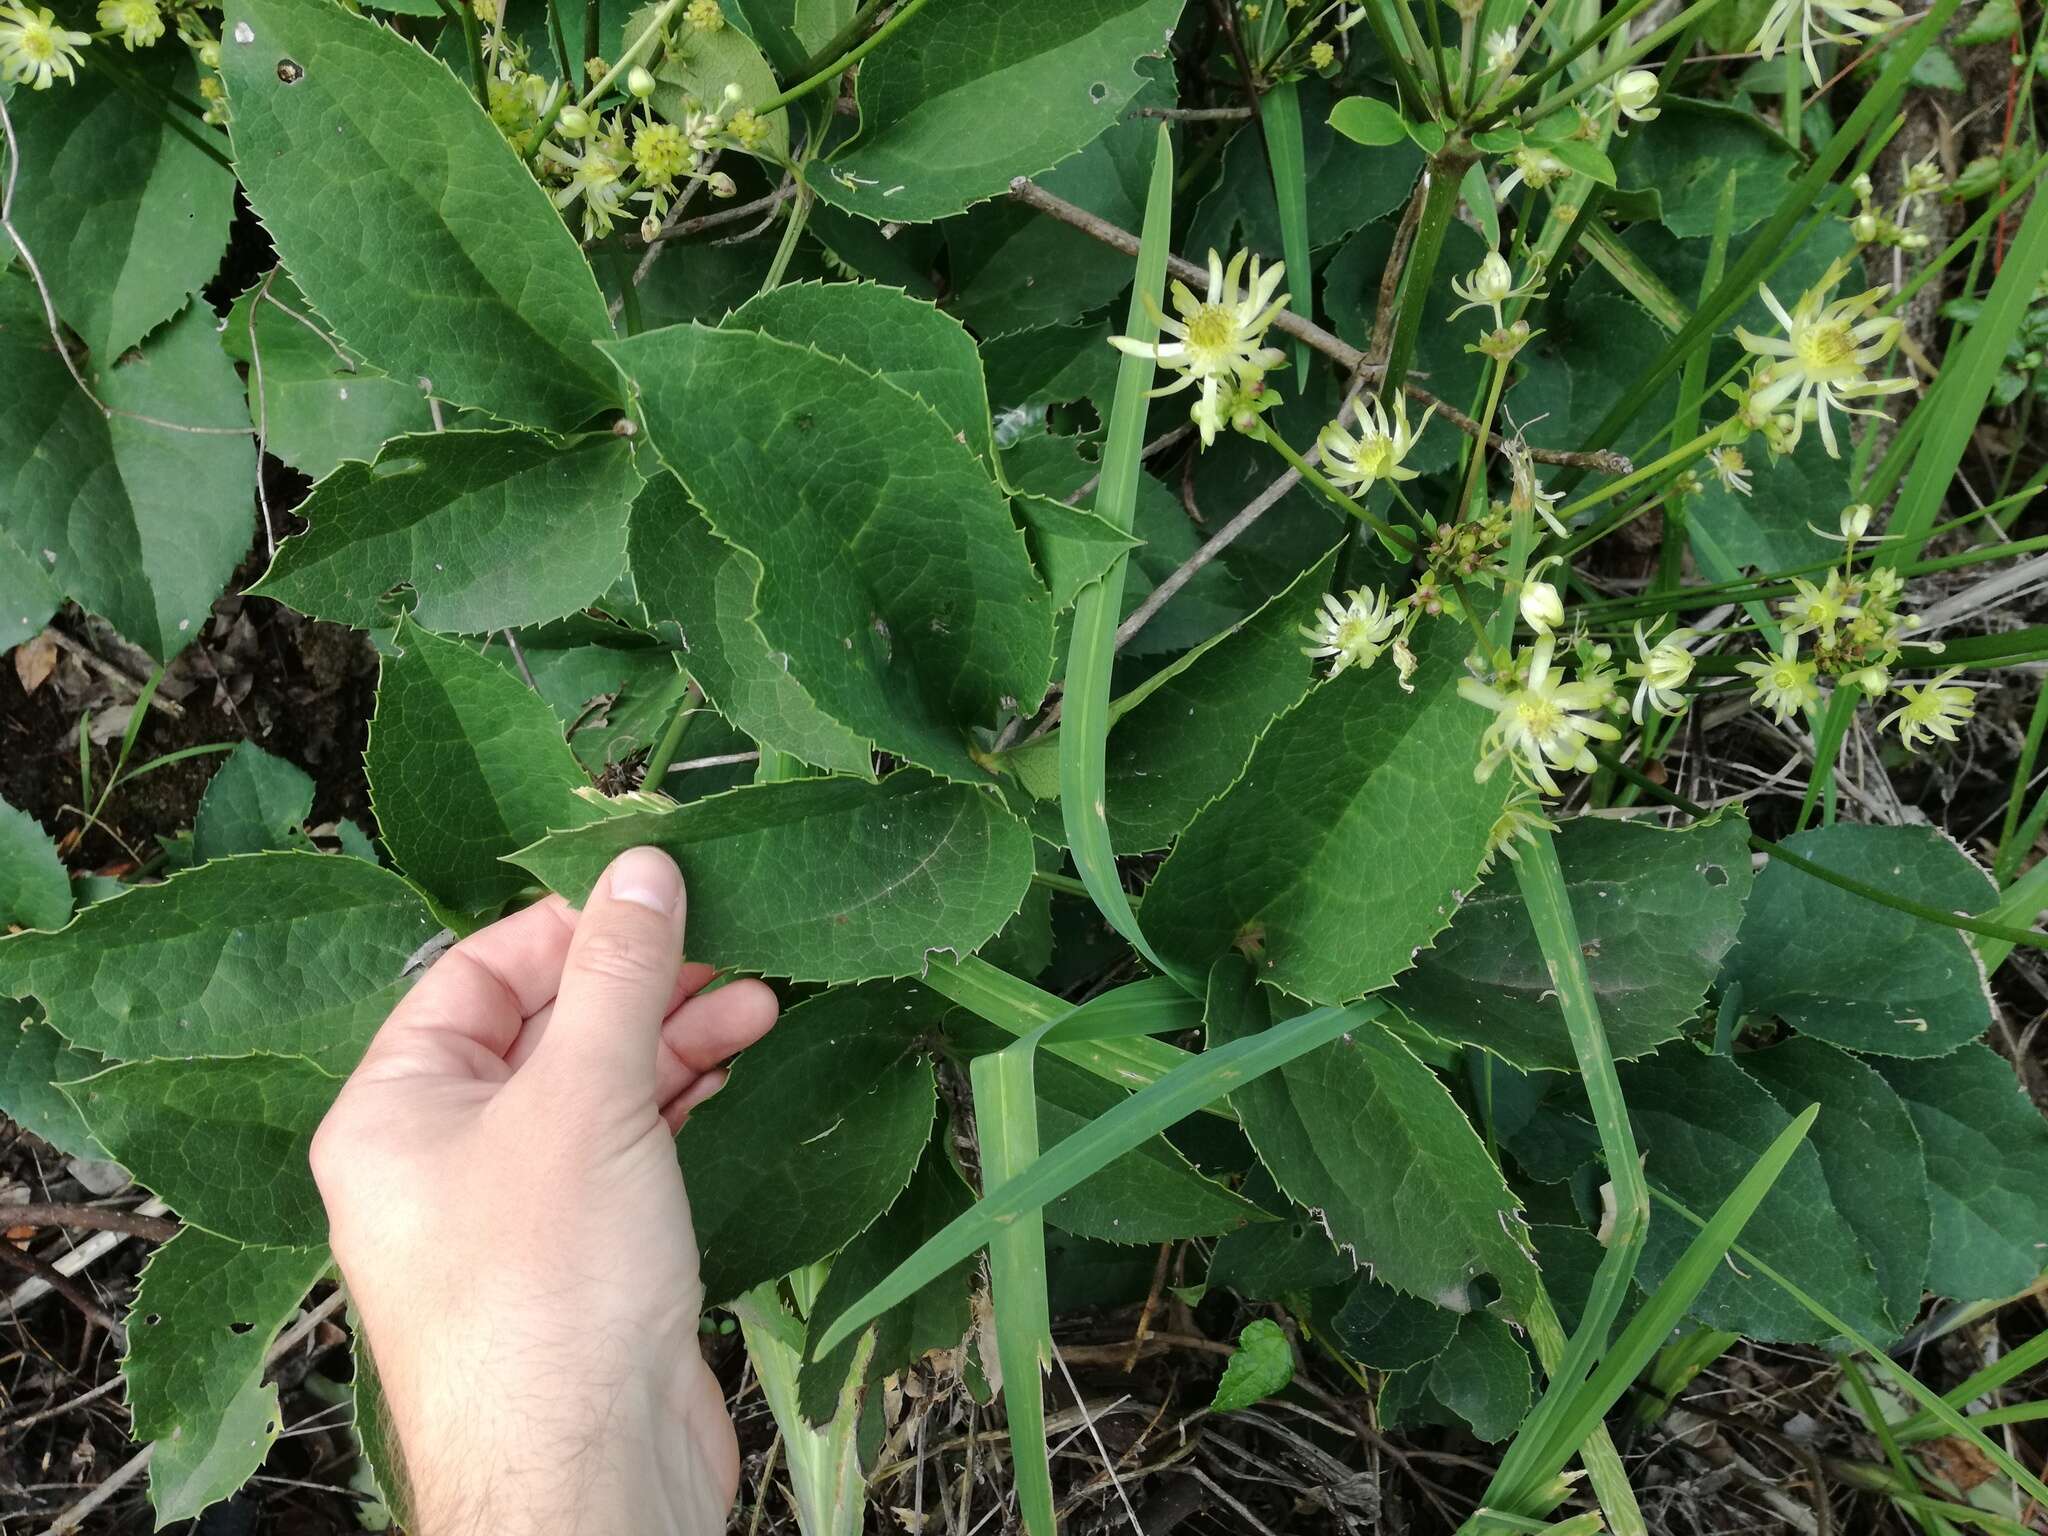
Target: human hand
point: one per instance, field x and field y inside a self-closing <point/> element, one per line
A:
<point x="505" y="1204"/>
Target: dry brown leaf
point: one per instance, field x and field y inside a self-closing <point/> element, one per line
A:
<point x="35" y="660"/>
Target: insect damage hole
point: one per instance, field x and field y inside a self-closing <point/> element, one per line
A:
<point x="1099" y="92"/>
<point x="289" y="72"/>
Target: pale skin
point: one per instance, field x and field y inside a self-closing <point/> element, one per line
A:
<point x="509" y="1216"/>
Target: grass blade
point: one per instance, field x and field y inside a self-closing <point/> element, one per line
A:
<point x="1199" y="1081"/>
<point x="1006" y="1123"/>
<point x="1959" y="396"/>
<point x="1085" y="705"/>
<point x="1280" y="116"/>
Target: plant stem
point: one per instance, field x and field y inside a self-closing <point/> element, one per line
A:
<point x="665" y="749"/>
<point x="1446" y="171"/>
<point x="1316" y="478"/>
<point x="472" y="44"/>
<point x="845" y="61"/>
<point x="1677" y="457"/>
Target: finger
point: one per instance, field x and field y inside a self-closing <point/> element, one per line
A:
<point x="465" y="1014"/>
<point x="621" y="970"/>
<point x="677" y="1109"/>
<point x="695" y="976"/>
<point x="706" y="1031"/>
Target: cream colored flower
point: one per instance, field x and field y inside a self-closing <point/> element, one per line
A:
<point x="1353" y="633"/>
<point x="1490" y="285"/>
<point x="1660" y="670"/>
<point x="596" y="177"/>
<point x="1219" y="340"/>
<point x="139" y="22"/>
<point x="1728" y="467"/>
<point x="1525" y="491"/>
<point x="1933" y="710"/>
<point x="1357" y="463"/>
<point x="1540" y="722"/>
<point x="1818" y="608"/>
<point x="1783" y="683"/>
<point x="1856" y="19"/>
<point x="1634" y="92"/>
<point x="1519" y="822"/>
<point x="34" y="50"/>
<point x="1820" y="364"/>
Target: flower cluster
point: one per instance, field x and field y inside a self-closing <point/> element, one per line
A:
<point x="1819" y="366"/>
<point x="1871" y="227"/>
<point x="1219" y="342"/>
<point x="37" y="51"/>
<point x="1853" y="635"/>
<point x="608" y="163"/>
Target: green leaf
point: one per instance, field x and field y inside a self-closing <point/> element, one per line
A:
<point x="466" y="764"/>
<point x="1053" y="77"/>
<point x="204" y="1318"/>
<point x="1347" y="187"/>
<point x="289" y="952"/>
<point x="34" y="1058"/>
<point x="1036" y="380"/>
<point x="821" y="879"/>
<point x="320" y="403"/>
<point x="699" y="66"/>
<point x="458" y="517"/>
<point x="1330" y="1124"/>
<point x="253" y="803"/>
<point x="1856" y="974"/>
<point x="1871" y="1155"/>
<point x="612" y="689"/>
<point x="1262" y="1366"/>
<point x="1359" y="777"/>
<point x="793" y="30"/>
<point x="1656" y="911"/>
<point x="1768" y="529"/>
<point x="1014" y="269"/>
<point x="1279" y="109"/>
<point x="27" y="595"/>
<point x="35" y="891"/>
<point x="1703" y="1123"/>
<point x="1389" y="1330"/>
<point x="829" y="476"/>
<point x="698" y="590"/>
<point x="1267" y="1259"/>
<point x="1070" y="547"/>
<point x="140" y="521"/>
<point x="1934" y="70"/>
<point x="1483" y="1376"/>
<point x="1687" y="158"/>
<point x="1196" y="1082"/>
<point x="127" y="216"/>
<point x="1181" y="737"/>
<point x="822" y="1125"/>
<point x="937" y="1317"/>
<point x="912" y="344"/>
<point x="1995" y="21"/>
<point x="222" y="1139"/>
<point x="1151" y="1194"/>
<point x="1575" y="370"/>
<point x="1364" y="120"/>
<point x="371" y="162"/>
<point x="1987" y="1171"/>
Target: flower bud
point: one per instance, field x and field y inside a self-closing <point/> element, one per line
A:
<point x="1861" y="186"/>
<point x="1864" y="228"/>
<point x="1542" y="608"/>
<point x="1321" y="56"/>
<point x="650" y="229"/>
<point x="209" y="54"/>
<point x="1634" y="92"/>
<point x="1856" y="520"/>
<point x="1873" y="680"/>
<point x="640" y="81"/>
<point x="720" y="184"/>
<point x="573" y="123"/>
<point x="733" y="93"/>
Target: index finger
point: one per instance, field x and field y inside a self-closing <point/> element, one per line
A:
<point x="482" y="990"/>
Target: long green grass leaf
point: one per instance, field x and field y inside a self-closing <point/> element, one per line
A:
<point x="1957" y="401"/>
<point x="1280" y="116"/>
<point x="1201" y="1080"/>
<point x="1085" y="704"/>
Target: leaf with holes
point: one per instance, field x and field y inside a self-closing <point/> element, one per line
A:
<point x="205" y="1315"/>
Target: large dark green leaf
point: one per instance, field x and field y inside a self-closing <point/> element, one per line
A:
<point x="1859" y="975"/>
<point x="822" y="879"/>
<point x="254" y="803"/>
<point x="1348" y="841"/>
<point x="126" y="215"/>
<point x="292" y="952"/>
<point x="466" y="765"/>
<point x="34" y="1058"/>
<point x="1656" y="913"/>
<point x="35" y="891"/>
<point x="1987" y="1171"/>
<point x="133" y="515"/>
<point x="965" y="97"/>
<point x="891" y="574"/>
<point x="406" y="217"/>
<point x="814" y="1137"/>
<point x="462" y="519"/>
<point x="1687" y="158"/>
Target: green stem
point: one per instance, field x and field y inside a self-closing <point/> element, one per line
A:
<point x="1827" y="746"/>
<point x="1440" y="204"/>
<point x="665" y="749"/>
<point x="1795" y="92"/>
<point x="844" y="38"/>
<point x="1476" y="466"/>
<point x="472" y="45"/>
<point x="1315" y="477"/>
<point x="845" y="61"/>
<point x="2010" y="850"/>
<point x="1676" y="458"/>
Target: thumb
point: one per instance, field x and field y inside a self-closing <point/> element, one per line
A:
<point x="619" y="978"/>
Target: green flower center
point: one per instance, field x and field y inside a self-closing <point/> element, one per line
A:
<point x="1827" y="348"/>
<point x="1211" y="330"/>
